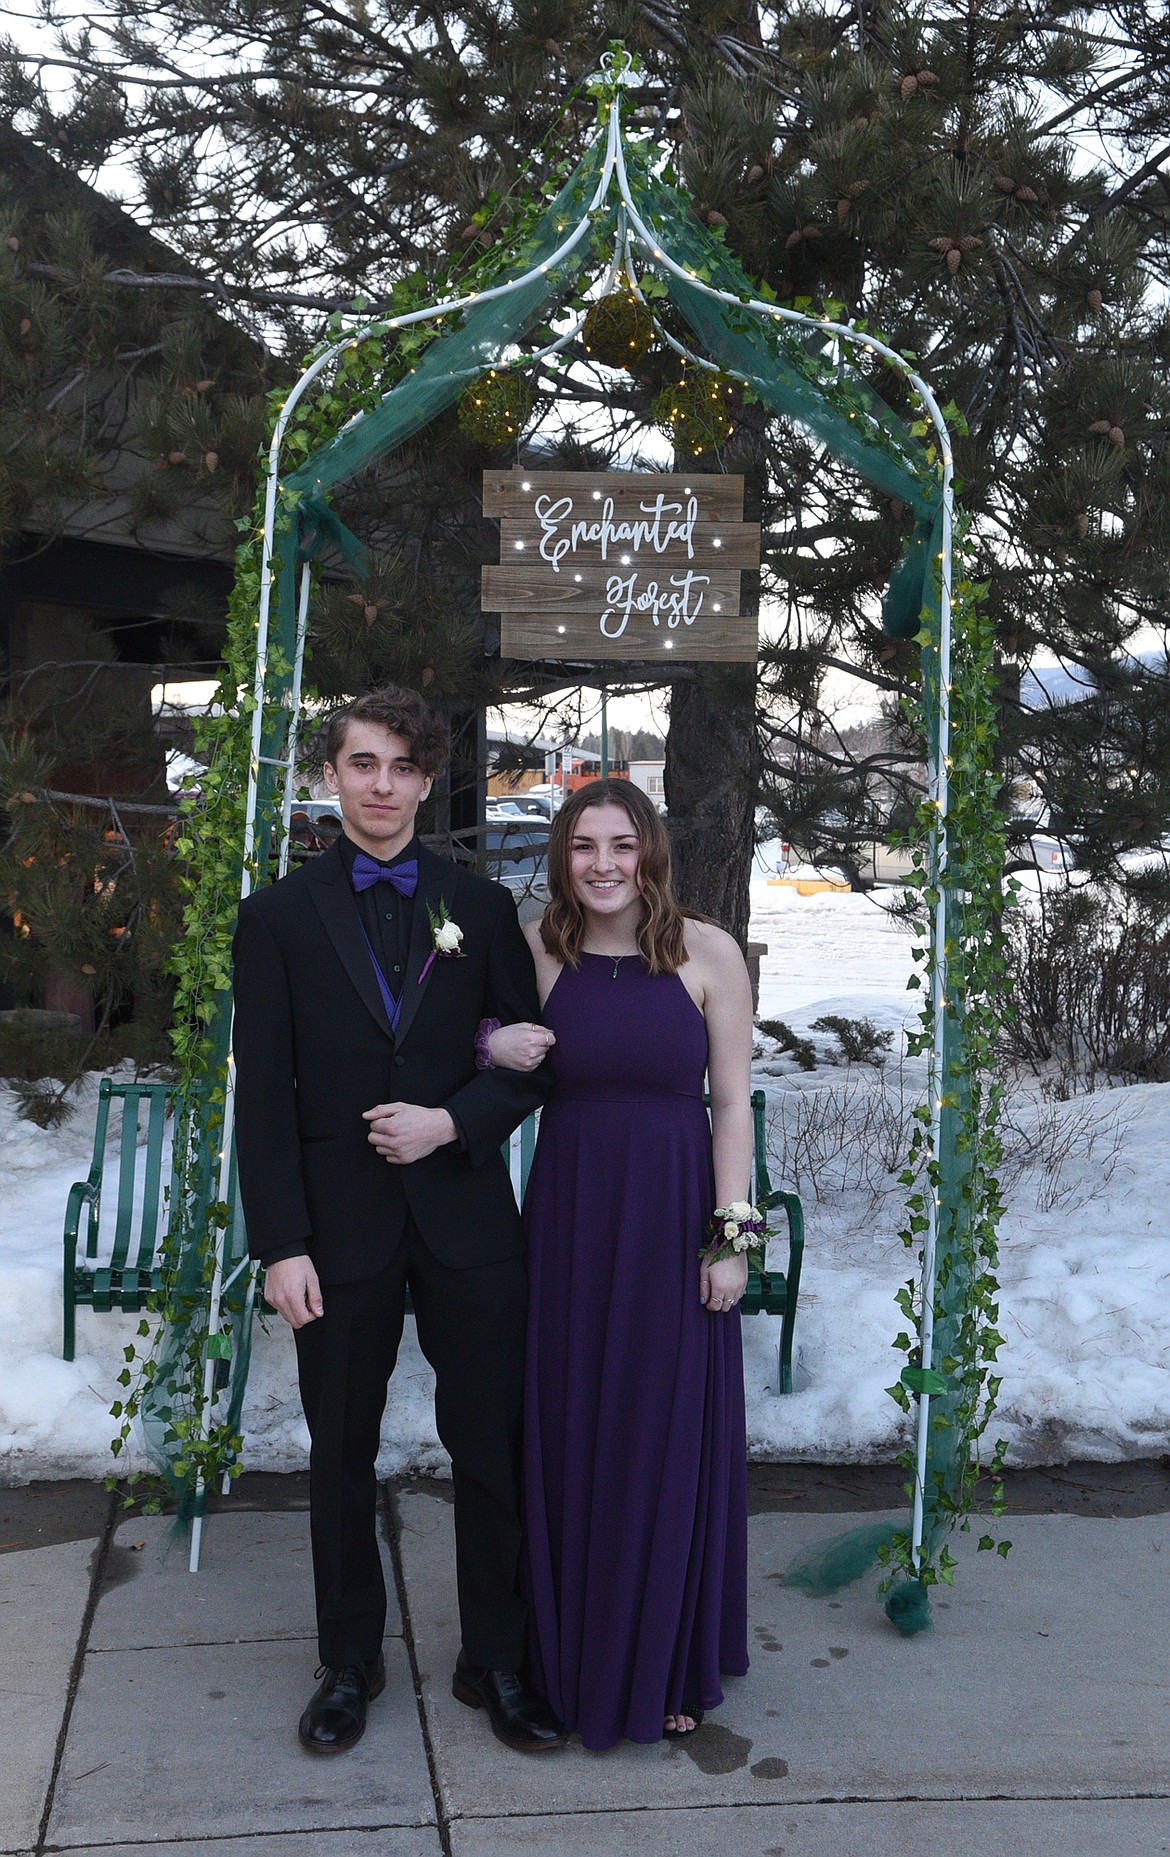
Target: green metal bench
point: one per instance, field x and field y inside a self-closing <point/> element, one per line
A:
<point x="775" y="1292"/>
<point x="132" y="1275"/>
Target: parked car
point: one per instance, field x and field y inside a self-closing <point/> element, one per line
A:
<point x="313" y="825"/>
<point x="1045" y="851"/>
<point x="518" y="806"/>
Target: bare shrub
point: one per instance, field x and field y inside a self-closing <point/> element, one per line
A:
<point x="1090" y="989"/>
<point x="849" y="1135"/>
<point x="1069" y="1150"/>
<point x="853" y="1135"/>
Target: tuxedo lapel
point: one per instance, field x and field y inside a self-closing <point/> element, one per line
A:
<point x="436" y="884"/>
<point x="334" y="902"/>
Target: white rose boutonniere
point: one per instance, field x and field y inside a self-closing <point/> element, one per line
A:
<point x="446" y="939"/>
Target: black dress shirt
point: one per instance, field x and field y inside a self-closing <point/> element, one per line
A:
<point x="387" y="916"/>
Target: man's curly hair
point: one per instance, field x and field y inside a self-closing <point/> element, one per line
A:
<point x="402" y="712"/>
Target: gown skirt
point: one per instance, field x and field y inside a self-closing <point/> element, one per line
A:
<point x="635" y="1459"/>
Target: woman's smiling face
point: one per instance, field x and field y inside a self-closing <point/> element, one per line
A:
<point x="604" y="854"/>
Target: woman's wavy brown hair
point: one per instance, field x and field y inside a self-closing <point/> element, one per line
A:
<point x="660" y="935"/>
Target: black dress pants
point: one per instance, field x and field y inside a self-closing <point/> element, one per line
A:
<point x="471" y="1328"/>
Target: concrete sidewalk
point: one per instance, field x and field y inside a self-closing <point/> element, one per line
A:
<point x="143" y="1706"/>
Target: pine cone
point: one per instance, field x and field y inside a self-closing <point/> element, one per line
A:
<point x="211" y="460"/>
<point x="1082" y="525"/>
<point x="176" y="457"/>
<point x="1029" y="196"/>
<point x="25" y="324"/>
<point x="927" y="78"/>
<point x="470" y="230"/>
<point x="14" y="244"/>
<point x="908" y="86"/>
<point x="1004" y="182"/>
<point x="715" y="219"/>
<point x="1094" y="299"/>
<point x="1117" y="436"/>
<point x="954" y="259"/>
<point x="1101" y="425"/>
<point x="942" y="243"/>
<point x="369" y="614"/>
<point x="755" y="173"/>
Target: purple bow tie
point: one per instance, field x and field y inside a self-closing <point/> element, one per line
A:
<point x="404" y="876"/>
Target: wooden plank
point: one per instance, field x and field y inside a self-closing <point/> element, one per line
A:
<point x="720" y="496"/>
<point x="554" y="637"/>
<point x="713" y="544"/>
<point x="514" y="587"/>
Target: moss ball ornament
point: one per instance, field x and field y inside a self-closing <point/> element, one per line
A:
<point x="695" y="412"/>
<point x="495" y="409"/>
<point x="618" y="330"/>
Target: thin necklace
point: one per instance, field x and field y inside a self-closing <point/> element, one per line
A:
<point x="605" y="955"/>
<point x="616" y="959"/>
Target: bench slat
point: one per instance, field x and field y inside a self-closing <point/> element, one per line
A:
<point x="151" y="1197"/>
<point x="128" y="1155"/>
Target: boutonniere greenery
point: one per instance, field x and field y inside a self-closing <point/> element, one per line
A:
<point x="446" y="939"/>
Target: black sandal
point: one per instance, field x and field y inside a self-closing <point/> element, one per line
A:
<point x="682" y="1734"/>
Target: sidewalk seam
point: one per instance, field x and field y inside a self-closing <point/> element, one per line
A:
<point x="98" y="1567"/>
<point x="812" y="1799"/>
<point x="390" y="1509"/>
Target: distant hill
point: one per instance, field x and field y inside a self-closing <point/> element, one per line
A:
<point x="1049" y="684"/>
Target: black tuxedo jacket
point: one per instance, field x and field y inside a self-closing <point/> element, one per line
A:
<point x="313" y="1049"/>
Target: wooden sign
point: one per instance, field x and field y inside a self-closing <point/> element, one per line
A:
<point x="620" y="564"/>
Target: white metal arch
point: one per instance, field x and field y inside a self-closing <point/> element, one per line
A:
<point x="616" y="69"/>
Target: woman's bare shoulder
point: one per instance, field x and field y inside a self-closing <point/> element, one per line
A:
<point x="532" y="937"/>
<point x="712" y="946"/>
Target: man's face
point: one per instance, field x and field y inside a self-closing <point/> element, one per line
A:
<point x="380" y="787"/>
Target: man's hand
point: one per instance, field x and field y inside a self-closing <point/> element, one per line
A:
<point x="404" y="1132"/>
<point x="292" y="1287"/>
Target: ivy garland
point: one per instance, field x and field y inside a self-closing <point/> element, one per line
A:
<point x="961" y="1380"/>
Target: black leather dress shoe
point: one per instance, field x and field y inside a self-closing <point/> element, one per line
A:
<point x="520" y="1718"/>
<point x="336" y="1717"/>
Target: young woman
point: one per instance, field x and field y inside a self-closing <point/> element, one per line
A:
<point x="635" y="1455"/>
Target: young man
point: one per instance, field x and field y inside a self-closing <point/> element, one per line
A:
<point x="369" y="1162"/>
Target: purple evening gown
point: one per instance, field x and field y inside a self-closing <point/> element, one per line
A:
<point x="635" y="1459"/>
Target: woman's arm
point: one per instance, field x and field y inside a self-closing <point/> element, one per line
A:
<point x="521" y="1046"/>
<point x="727" y="1008"/>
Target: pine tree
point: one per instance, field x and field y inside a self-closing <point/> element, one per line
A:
<point x="987" y="185"/>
